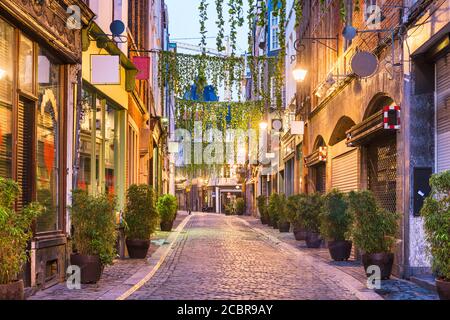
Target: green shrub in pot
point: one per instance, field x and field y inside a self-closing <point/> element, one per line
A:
<point x="273" y="209"/>
<point x="335" y="225"/>
<point x="167" y="209"/>
<point x="373" y="231"/>
<point x="141" y="219"/>
<point x="95" y="234"/>
<point x="263" y="209"/>
<point x="310" y="215"/>
<point x="15" y="232"/>
<point x="295" y="204"/>
<point x="436" y="213"/>
<point x="240" y="206"/>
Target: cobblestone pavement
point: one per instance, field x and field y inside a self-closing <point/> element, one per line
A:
<point x="113" y="276"/>
<point x="219" y="257"/>
<point x="393" y="289"/>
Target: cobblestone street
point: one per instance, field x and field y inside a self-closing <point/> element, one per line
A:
<point x="220" y="257"/>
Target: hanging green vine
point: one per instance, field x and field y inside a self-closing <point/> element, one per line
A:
<point x="220" y="23"/>
<point x="298" y="7"/>
<point x="203" y="13"/>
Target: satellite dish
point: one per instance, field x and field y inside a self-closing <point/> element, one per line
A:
<point x="117" y="27"/>
<point x="349" y="33"/>
<point x="364" y="64"/>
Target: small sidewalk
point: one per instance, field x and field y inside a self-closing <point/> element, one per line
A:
<point x="124" y="276"/>
<point x="393" y="289"/>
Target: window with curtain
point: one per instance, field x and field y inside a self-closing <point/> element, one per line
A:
<point x="47" y="140"/>
<point x="6" y="94"/>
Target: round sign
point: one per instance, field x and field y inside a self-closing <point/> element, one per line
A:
<point x="117" y="27"/>
<point x="277" y="125"/>
<point x="364" y="64"/>
<point x="349" y="33"/>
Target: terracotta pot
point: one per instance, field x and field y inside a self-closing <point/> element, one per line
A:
<point x="383" y="260"/>
<point x="340" y="250"/>
<point x="269" y="222"/>
<point x="300" y="234"/>
<point x="275" y="224"/>
<point x="12" y="291"/>
<point x="166" y="225"/>
<point x="137" y="249"/>
<point x="284" y="226"/>
<point x="443" y="289"/>
<point x="90" y="266"/>
<point x="313" y="240"/>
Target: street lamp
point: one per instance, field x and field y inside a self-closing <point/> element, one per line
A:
<point x="299" y="73"/>
<point x="263" y="125"/>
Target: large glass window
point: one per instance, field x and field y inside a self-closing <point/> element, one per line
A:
<point x="26" y="64"/>
<point x="6" y="91"/>
<point x="84" y="174"/>
<point x="110" y="148"/>
<point x="47" y="141"/>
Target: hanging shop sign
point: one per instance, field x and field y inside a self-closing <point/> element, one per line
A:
<point x="297" y="127"/>
<point x="143" y="66"/>
<point x="391" y="117"/>
<point x="105" y="69"/>
<point x="317" y="157"/>
<point x="323" y="154"/>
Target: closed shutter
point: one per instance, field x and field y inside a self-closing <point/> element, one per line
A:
<point x="25" y="151"/>
<point x="344" y="172"/>
<point x="321" y="177"/>
<point x="443" y="113"/>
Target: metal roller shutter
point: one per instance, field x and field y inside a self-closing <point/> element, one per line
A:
<point x="443" y="113"/>
<point x="344" y="171"/>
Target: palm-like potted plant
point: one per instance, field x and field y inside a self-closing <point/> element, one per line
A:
<point x="263" y="209"/>
<point x="295" y="205"/>
<point x="15" y="232"/>
<point x="436" y="213"/>
<point x="95" y="234"/>
<point x="167" y="209"/>
<point x="240" y="206"/>
<point x="310" y="216"/>
<point x="373" y="231"/>
<point x="141" y="219"/>
<point x="335" y="225"/>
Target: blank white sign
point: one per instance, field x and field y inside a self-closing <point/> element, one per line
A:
<point x="105" y="69"/>
<point x="297" y="127"/>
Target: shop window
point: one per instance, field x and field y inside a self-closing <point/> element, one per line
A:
<point x="6" y="85"/>
<point x="26" y="65"/>
<point x="47" y="140"/>
<point x="84" y="174"/>
<point x="110" y="149"/>
<point x="132" y="155"/>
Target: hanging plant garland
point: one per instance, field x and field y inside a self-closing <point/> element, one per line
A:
<point x="220" y="23"/>
<point x="203" y="14"/>
<point x="298" y="7"/>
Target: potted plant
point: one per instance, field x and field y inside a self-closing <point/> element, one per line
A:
<point x="335" y="225"/>
<point x="95" y="235"/>
<point x="141" y="219"/>
<point x="240" y="206"/>
<point x="295" y="205"/>
<point x="15" y="232"/>
<point x="167" y="209"/>
<point x="310" y="216"/>
<point x="373" y="231"/>
<point x="436" y="213"/>
<point x="263" y="210"/>
<point x="283" y="221"/>
<point x="229" y="209"/>
<point x="273" y="210"/>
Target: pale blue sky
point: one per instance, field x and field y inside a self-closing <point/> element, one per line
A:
<point x="184" y="22"/>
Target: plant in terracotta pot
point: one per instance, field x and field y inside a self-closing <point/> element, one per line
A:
<point x="167" y="209"/>
<point x="310" y="214"/>
<point x="15" y="232"/>
<point x="373" y="231"/>
<point x="263" y="209"/>
<point x="141" y="219"/>
<point x="240" y="206"/>
<point x="273" y="208"/>
<point x="335" y="225"/>
<point x="295" y="205"/>
<point x="436" y="213"/>
<point x="94" y="233"/>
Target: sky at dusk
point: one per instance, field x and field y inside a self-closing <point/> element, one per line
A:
<point x="184" y="23"/>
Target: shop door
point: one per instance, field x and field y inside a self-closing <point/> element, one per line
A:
<point x="320" y="178"/>
<point x="344" y="171"/>
<point x="382" y="170"/>
<point x="443" y="113"/>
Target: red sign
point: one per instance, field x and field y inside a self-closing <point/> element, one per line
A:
<point x="143" y="66"/>
<point x="391" y="117"/>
